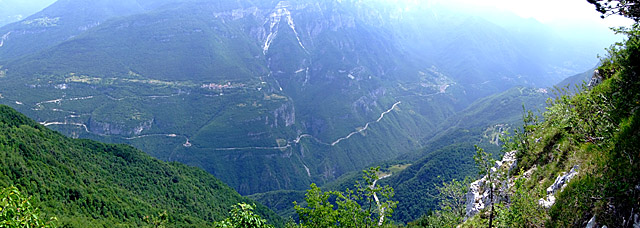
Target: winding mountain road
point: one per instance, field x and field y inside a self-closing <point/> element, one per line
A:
<point x="301" y="136"/>
<point x="39" y="106"/>
<point x="366" y="126"/>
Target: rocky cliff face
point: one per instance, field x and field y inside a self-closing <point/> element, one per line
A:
<point x="478" y="195"/>
<point x="558" y="185"/>
<point x="108" y="128"/>
<point x="284" y="116"/>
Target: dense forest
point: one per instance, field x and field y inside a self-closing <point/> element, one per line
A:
<point x="84" y="183"/>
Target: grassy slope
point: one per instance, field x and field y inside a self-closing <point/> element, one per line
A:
<point x="598" y="130"/>
<point x="86" y="183"/>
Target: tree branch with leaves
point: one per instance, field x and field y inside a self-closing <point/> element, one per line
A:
<point x="626" y="8"/>
<point x="368" y="206"/>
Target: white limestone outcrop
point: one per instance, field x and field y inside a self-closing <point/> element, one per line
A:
<point x="596" y="79"/>
<point x="558" y="185"/>
<point x="478" y="195"/>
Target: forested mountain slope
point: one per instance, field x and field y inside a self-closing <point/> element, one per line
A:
<point x="89" y="184"/>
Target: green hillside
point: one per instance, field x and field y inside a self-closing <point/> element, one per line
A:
<point x="89" y="184"/>
<point x="596" y="131"/>
<point x="576" y="164"/>
<point x="574" y="83"/>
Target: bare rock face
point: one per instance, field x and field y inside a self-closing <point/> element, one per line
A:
<point x="367" y="103"/>
<point x="284" y="115"/>
<point x="591" y="223"/>
<point x="477" y="198"/>
<point x="557" y="186"/>
<point x="596" y="79"/>
<point x="594" y="224"/>
<point x="547" y="202"/>
<point x="107" y="128"/>
<point x="562" y="180"/>
<point x="478" y="195"/>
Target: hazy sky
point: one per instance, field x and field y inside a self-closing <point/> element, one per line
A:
<point x="550" y="11"/>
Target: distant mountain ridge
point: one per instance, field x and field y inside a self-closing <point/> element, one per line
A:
<point x="15" y="10"/>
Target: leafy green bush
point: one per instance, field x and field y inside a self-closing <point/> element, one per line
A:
<point x="452" y="206"/>
<point x="522" y="210"/>
<point x="242" y="216"/>
<point x="16" y="210"/>
<point x="368" y="206"/>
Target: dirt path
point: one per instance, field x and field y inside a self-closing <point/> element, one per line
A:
<point x="45" y="123"/>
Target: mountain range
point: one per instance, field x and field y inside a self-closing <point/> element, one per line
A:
<point x="275" y="95"/>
